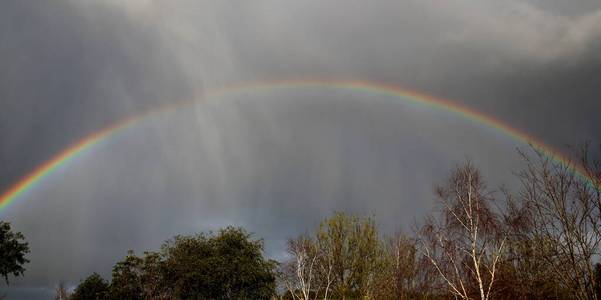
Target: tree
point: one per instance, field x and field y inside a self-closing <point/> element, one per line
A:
<point x="300" y="274"/>
<point x="126" y="283"/>
<point x="598" y="279"/>
<point x="350" y="253"/>
<point x="342" y="259"/>
<point x="564" y="206"/>
<point x="152" y="277"/>
<point x="61" y="292"/>
<point x="464" y="244"/>
<point x="406" y="273"/>
<point x="524" y="272"/>
<point x="229" y="265"/>
<point x="92" y="288"/>
<point x="13" y="249"/>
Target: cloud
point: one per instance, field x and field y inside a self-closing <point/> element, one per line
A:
<point x="519" y="29"/>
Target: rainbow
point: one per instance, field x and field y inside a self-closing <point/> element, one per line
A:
<point x="47" y="168"/>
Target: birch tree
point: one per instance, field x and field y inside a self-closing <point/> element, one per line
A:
<point x="300" y="273"/>
<point x="464" y="243"/>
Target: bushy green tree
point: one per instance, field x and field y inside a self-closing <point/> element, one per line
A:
<point x="127" y="282"/>
<point x="226" y="265"/>
<point x="229" y="265"/>
<point x="13" y="249"/>
<point x="92" y="288"/>
<point x="153" y="274"/>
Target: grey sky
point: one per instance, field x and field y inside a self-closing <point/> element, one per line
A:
<point x="275" y="162"/>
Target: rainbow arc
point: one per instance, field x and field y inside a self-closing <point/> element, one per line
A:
<point x="49" y="167"/>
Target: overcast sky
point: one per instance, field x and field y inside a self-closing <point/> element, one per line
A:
<point x="273" y="161"/>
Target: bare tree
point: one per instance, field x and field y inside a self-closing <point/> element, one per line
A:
<point x="565" y="211"/>
<point x="465" y="244"/>
<point x="524" y="273"/>
<point x="299" y="275"/>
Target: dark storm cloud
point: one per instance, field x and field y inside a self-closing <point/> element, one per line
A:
<point x="66" y="73"/>
<point x="527" y="64"/>
<point x="274" y="162"/>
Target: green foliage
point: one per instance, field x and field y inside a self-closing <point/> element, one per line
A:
<point x="12" y="252"/>
<point x="354" y="247"/>
<point x="227" y="266"/>
<point x="92" y="288"/>
<point x="127" y="282"/>
<point x="152" y="277"/>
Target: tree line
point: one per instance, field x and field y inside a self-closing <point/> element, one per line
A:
<point x="540" y="240"/>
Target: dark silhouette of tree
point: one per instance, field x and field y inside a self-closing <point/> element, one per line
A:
<point x="13" y="249"/>
<point x="92" y="288"/>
